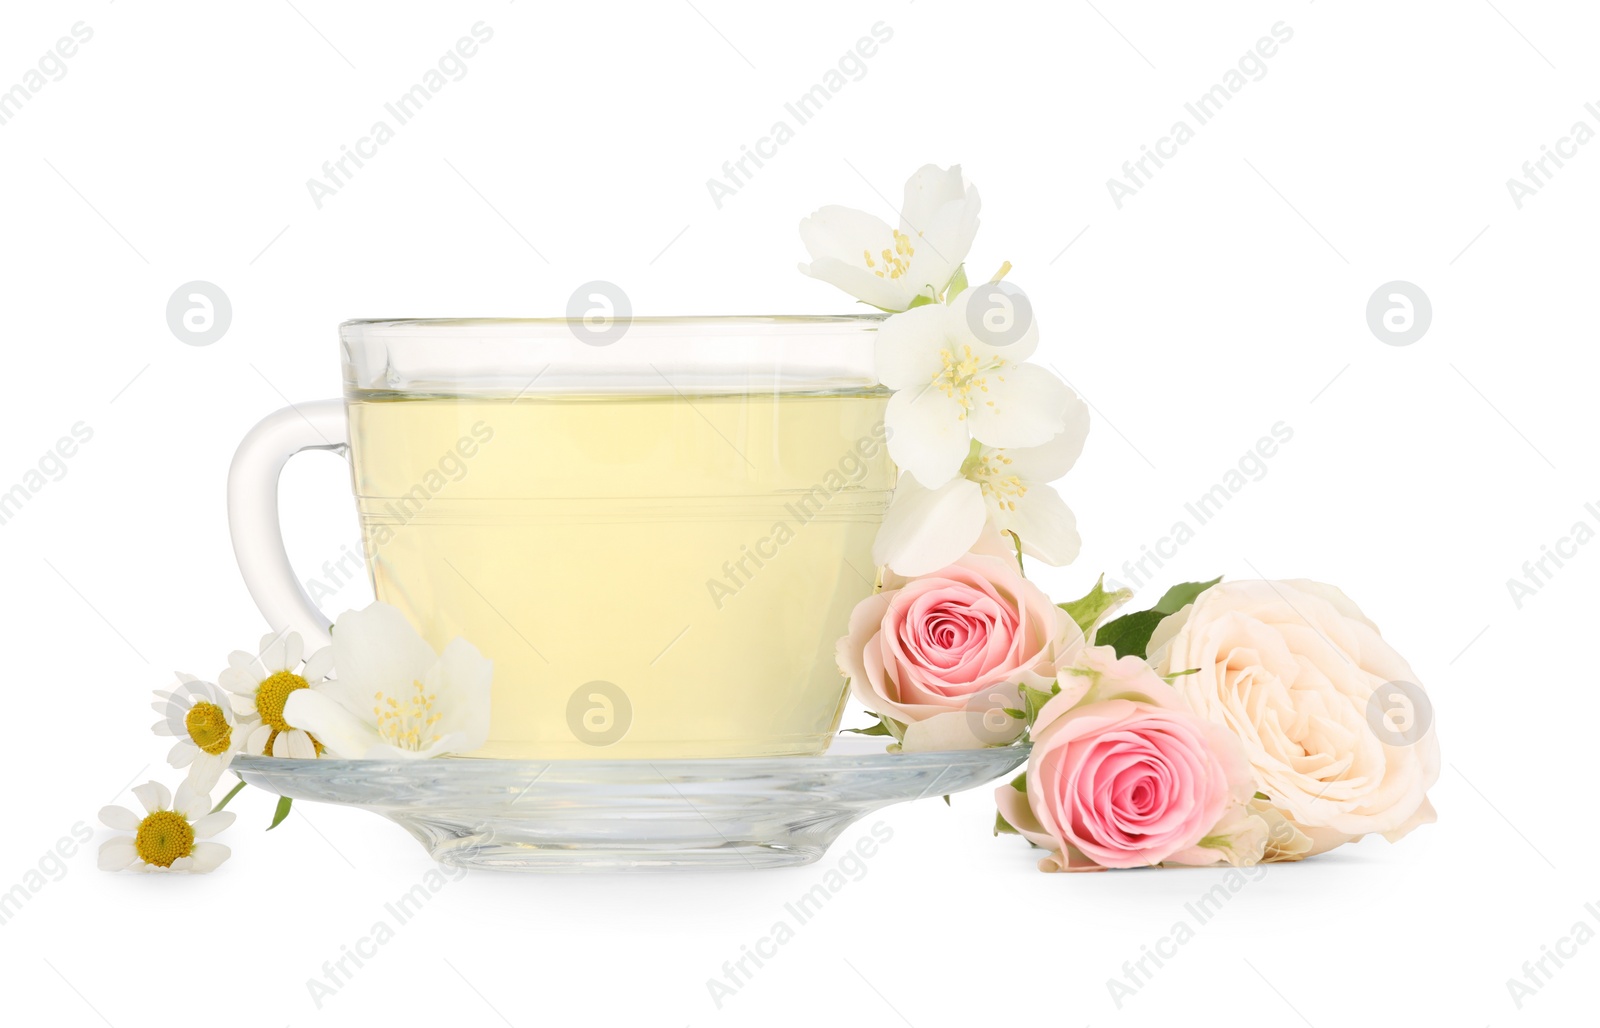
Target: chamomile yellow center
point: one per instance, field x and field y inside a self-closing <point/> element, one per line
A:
<point x="891" y="263"/>
<point x="208" y="728"/>
<point x="272" y="694"/>
<point x="407" y="722"/>
<point x="163" y="837"/>
<point x="963" y="377"/>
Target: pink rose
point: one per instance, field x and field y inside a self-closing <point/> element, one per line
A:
<point x="1122" y="774"/>
<point x="944" y="653"/>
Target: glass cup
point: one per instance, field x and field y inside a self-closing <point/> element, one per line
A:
<point x="656" y="533"/>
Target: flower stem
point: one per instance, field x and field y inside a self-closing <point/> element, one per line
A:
<point x="231" y="794"/>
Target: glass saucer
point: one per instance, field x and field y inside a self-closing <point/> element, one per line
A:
<point x="633" y="815"/>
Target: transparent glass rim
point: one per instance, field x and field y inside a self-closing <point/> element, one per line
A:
<point x="532" y="357"/>
<point x="472" y="326"/>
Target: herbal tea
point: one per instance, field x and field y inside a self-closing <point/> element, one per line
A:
<point x="653" y="575"/>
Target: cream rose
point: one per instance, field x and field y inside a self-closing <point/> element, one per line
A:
<point x="1291" y="668"/>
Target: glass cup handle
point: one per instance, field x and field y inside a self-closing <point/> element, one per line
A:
<point x="253" y="512"/>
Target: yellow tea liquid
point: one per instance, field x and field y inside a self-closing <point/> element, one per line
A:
<point x="653" y="576"/>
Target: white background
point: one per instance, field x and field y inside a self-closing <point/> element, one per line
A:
<point x="1225" y="296"/>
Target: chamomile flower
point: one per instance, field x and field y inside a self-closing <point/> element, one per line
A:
<point x="261" y="684"/>
<point x="201" y="717"/>
<point x="171" y="836"/>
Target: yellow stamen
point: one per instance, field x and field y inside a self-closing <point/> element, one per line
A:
<point x="959" y="375"/>
<point x="897" y="261"/>
<point x="998" y="485"/>
<point x="406" y="724"/>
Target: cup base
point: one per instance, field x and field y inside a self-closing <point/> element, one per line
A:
<point x="514" y="848"/>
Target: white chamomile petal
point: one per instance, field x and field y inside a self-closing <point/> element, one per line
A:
<point x="190" y="802"/>
<point x="927" y="438"/>
<point x="120" y="818"/>
<point x="117" y="854"/>
<point x="205" y="772"/>
<point x="295" y="743"/>
<point x="1025" y="405"/>
<point x="318" y="665"/>
<point x="238" y="680"/>
<point x="274" y="651"/>
<point x="293" y="649"/>
<point x="182" y="753"/>
<point x="207" y="856"/>
<point x="928" y="529"/>
<point x="256" y="740"/>
<point x="164" y="727"/>
<point x="210" y="824"/>
<point x="247" y="663"/>
<point x="154" y="796"/>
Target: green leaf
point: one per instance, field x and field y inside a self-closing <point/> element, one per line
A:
<point x="1033" y="701"/>
<point x="1263" y="796"/>
<point x="284" y="803"/>
<point x="947" y="799"/>
<point x="231" y="794"/>
<point x="921" y="300"/>
<point x="958" y="282"/>
<point x="1089" y="608"/>
<point x="1180" y="596"/>
<point x="1002" y="825"/>
<point x="878" y="729"/>
<point x="1020" y="783"/>
<point x="1130" y="633"/>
